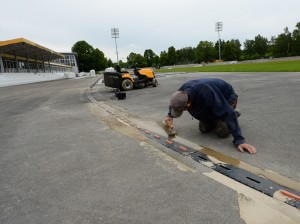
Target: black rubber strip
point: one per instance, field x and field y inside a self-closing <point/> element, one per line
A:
<point x="256" y="182"/>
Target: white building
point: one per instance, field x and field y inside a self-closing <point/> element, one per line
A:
<point x="70" y="59"/>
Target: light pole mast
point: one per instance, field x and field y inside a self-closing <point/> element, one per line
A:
<point x="115" y="34"/>
<point x="218" y="28"/>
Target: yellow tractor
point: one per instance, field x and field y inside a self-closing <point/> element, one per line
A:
<point x="123" y="80"/>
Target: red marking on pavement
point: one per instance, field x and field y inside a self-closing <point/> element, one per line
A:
<point x="168" y="142"/>
<point x="291" y="195"/>
<point x="183" y="148"/>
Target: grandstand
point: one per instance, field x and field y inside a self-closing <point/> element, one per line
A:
<point x="23" y="56"/>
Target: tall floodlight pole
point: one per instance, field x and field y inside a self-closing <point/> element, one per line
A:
<point x="115" y="34"/>
<point x="219" y="27"/>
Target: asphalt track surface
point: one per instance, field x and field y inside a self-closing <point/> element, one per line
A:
<point x="65" y="160"/>
<point x="270" y="121"/>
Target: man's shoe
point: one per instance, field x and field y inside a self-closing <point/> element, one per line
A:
<point x="222" y="129"/>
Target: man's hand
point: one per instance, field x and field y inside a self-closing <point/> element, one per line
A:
<point x="168" y="122"/>
<point x="247" y="147"/>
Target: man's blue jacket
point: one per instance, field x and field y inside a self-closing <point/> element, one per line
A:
<point x="210" y="100"/>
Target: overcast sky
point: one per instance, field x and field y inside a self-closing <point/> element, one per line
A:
<point x="143" y="24"/>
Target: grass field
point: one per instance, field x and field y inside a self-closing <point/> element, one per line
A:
<point x="274" y="66"/>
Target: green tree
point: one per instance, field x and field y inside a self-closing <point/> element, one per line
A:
<point x="136" y="59"/>
<point x="156" y="62"/>
<point x="98" y="59"/>
<point x="249" y="51"/>
<point x="260" y="46"/>
<point x="84" y="51"/>
<point x="205" y="51"/>
<point x="121" y="64"/>
<point x="296" y="39"/>
<point x="172" y="57"/>
<point x="232" y="50"/>
<point x="163" y="58"/>
<point x="283" y="44"/>
<point x="185" y="55"/>
<point x="131" y="58"/>
<point x="110" y="63"/>
<point x="88" y="57"/>
<point x="149" y="55"/>
<point x="271" y="47"/>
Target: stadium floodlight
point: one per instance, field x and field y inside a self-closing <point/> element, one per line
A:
<point x="218" y="28"/>
<point x="115" y="34"/>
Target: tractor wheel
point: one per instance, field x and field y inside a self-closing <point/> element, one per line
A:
<point x="154" y="82"/>
<point x="127" y="85"/>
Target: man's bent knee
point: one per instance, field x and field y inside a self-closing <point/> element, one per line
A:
<point x="206" y="126"/>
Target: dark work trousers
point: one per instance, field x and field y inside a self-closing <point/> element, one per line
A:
<point x="219" y="126"/>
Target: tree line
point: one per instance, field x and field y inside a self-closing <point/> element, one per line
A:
<point x="284" y="45"/>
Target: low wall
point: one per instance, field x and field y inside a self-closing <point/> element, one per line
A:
<point x="9" y="79"/>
